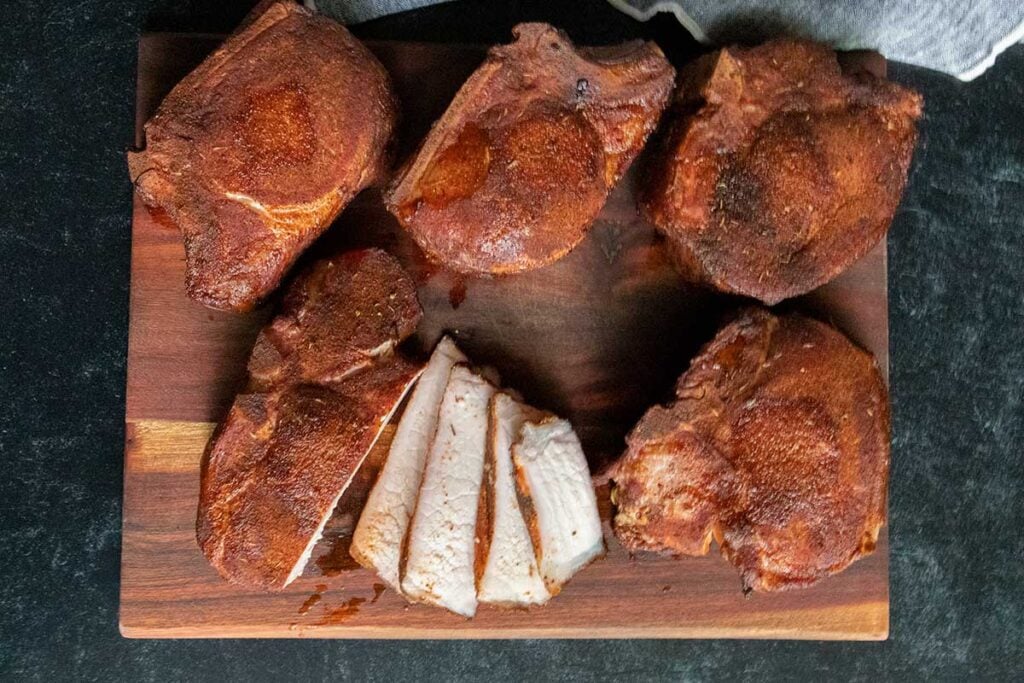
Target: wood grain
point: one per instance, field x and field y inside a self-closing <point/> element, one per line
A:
<point x="597" y="337"/>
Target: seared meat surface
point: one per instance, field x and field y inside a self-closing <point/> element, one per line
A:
<point x="778" y="170"/>
<point x="276" y="467"/>
<point x="257" y="150"/>
<point x="513" y="174"/>
<point x="777" y="447"/>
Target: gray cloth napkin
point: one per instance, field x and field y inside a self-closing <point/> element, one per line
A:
<point x="355" y="11"/>
<point x="958" y="37"/>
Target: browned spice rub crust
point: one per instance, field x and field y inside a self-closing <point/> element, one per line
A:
<point x="778" y="170"/>
<point x="257" y="150"/>
<point x="515" y="171"/>
<point x="323" y="383"/>
<point x="777" y="447"/>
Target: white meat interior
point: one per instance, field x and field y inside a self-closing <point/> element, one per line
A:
<point x="552" y="474"/>
<point x="441" y="547"/>
<point x="510" y="575"/>
<point x="380" y="533"/>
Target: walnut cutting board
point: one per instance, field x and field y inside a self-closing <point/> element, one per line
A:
<point x="596" y="337"/>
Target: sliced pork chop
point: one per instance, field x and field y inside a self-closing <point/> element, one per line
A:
<point x="380" y="534"/>
<point x="558" y="499"/>
<point x="316" y="403"/>
<point x="510" y="576"/>
<point x="278" y="466"/>
<point x="441" y="548"/>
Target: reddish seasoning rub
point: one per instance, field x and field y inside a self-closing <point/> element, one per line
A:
<point x="457" y="293"/>
<point x="346" y="611"/>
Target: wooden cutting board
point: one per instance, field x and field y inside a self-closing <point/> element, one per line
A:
<point x="597" y="338"/>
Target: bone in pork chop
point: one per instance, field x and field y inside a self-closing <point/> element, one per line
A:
<point x="515" y="171"/>
<point x="257" y="150"/>
<point x="778" y="170"/>
<point x="777" y="447"/>
<point x="324" y="381"/>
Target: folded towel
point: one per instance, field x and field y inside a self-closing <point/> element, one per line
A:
<point x="953" y="36"/>
<point x="956" y="37"/>
<point x="355" y="11"/>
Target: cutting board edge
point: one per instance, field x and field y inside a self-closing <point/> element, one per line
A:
<point x="695" y="632"/>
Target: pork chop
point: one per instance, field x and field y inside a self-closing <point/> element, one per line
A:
<point x="779" y="170"/>
<point x="257" y="150"/>
<point x="288" y="449"/>
<point x="777" y="447"/>
<point x="509" y="576"/>
<point x="515" y="171"/>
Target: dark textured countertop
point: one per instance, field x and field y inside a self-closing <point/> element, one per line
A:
<point x="67" y="84"/>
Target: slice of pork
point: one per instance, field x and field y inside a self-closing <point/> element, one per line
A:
<point x="510" y="576"/>
<point x="558" y="499"/>
<point x="441" y="548"/>
<point x="380" y="534"/>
